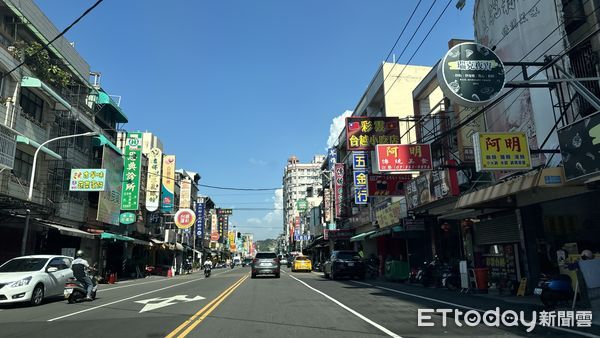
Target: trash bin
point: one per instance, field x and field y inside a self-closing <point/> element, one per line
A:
<point x="481" y="278"/>
<point x="396" y="270"/>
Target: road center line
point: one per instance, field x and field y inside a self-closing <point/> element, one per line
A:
<point x="380" y="327"/>
<point x="122" y="300"/>
<point x="585" y="334"/>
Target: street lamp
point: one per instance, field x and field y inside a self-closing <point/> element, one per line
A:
<point x="31" y="181"/>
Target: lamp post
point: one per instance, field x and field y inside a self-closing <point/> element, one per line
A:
<point x="31" y="181"/>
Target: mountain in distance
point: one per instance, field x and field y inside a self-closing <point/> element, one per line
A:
<point x="268" y="244"/>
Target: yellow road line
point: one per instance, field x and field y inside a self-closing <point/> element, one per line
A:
<point x="223" y="295"/>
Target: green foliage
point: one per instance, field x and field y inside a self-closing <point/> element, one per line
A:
<point x="46" y="68"/>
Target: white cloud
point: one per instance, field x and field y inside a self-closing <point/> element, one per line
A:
<point x="336" y="127"/>
<point x="254" y="220"/>
<point x="258" y="162"/>
<point x="277" y="214"/>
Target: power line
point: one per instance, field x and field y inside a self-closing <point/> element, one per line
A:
<point x="238" y="189"/>
<point x="87" y="11"/>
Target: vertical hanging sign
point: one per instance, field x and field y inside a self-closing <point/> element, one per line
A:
<point x="153" y="181"/>
<point x="130" y="192"/>
<point x="185" y="193"/>
<point x="168" y="183"/>
<point x="338" y="188"/>
<point x="200" y="218"/>
<point x="359" y="165"/>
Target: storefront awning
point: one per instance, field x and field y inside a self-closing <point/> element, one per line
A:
<point x="141" y="242"/>
<point x="382" y="232"/>
<point x="116" y="237"/>
<point x="106" y="102"/>
<point x="178" y="247"/>
<point x="100" y="140"/>
<point x="501" y="190"/>
<point x="32" y="82"/>
<point x="156" y="241"/>
<point x="362" y="236"/>
<point x="68" y="231"/>
<point x="34" y="144"/>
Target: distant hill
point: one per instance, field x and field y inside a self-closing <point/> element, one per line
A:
<point x="268" y="244"/>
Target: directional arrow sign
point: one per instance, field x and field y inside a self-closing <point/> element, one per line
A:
<point x="156" y="303"/>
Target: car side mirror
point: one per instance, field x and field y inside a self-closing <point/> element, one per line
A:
<point x="51" y="269"/>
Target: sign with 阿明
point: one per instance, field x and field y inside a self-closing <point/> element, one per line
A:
<point x="87" y="180"/>
<point x="403" y="157"/>
<point x="501" y="151"/>
<point x="130" y="191"/>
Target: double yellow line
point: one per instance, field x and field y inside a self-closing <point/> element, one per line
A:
<point x="199" y="316"/>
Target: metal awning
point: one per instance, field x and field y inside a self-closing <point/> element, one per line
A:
<point x="101" y="140"/>
<point x="504" y="189"/>
<point x="362" y="236"/>
<point x="141" y="242"/>
<point x="68" y="231"/>
<point x="34" y="144"/>
<point x="106" y="102"/>
<point x="382" y="232"/>
<point x="115" y="237"/>
<point x="156" y="241"/>
<point x="32" y="82"/>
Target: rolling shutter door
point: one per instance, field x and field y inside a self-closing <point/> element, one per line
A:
<point x="500" y="229"/>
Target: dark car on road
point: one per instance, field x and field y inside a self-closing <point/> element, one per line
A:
<point x="247" y="261"/>
<point x="265" y="263"/>
<point x="344" y="263"/>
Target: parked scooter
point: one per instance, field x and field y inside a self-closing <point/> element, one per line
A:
<point x="207" y="271"/>
<point x="450" y="277"/>
<point x="428" y="274"/>
<point x="75" y="290"/>
<point x="553" y="290"/>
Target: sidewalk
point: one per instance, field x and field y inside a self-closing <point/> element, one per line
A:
<point x="479" y="302"/>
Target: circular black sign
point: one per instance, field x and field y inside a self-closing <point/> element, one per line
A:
<point x="471" y="74"/>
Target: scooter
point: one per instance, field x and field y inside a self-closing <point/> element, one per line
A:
<point x="75" y="290"/>
<point x="207" y="271"/>
<point x="553" y="290"/>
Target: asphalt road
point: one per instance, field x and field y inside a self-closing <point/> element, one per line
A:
<point x="231" y="304"/>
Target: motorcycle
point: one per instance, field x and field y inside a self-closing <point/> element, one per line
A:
<point x="450" y="278"/>
<point x="372" y="267"/>
<point x="553" y="290"/>
<point x="76" y="291"/>
<point x="207" y="271"/>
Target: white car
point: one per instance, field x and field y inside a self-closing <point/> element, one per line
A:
<point x="33" y="278"/>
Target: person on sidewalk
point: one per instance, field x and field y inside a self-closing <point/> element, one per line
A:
<point x="80" y="267"/>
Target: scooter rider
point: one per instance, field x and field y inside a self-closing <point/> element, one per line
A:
<point x="207" y="264"/>
<point x="80" y="267"/>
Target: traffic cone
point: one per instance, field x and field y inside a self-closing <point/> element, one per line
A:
<point x="111" y="278"/>
<point x="170" y="272"/>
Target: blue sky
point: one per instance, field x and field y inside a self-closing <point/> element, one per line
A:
<point x="234" y="87"/>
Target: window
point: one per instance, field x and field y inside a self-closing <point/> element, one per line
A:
<point x="23" y="165"/>
<point x="32" y="105"/>
<point x="59" y="263"/>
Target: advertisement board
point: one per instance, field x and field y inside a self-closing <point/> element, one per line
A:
<point x="360" y="187"/>
<point x="331" y="158"/>
<point x="185" y="218"/>
<point x="340" y="234"/>
<point x="109" y="200"/>
<point x="403" y="157"/>
<point x="501" y="151"/>
<point x="387" y="185"/>
<point x="200" y="217"/>
<point x="338" y="192"/>
<point x="224" y="211"/>
<point x="577" y="141"/>
<point x="389" y="215"/>
<point x="185" y="193"/>
<point x="431" y="186"/>
<point x="87" y="180"/>
<point x="130" y="192"/>
<point x="364" y="133"/>
<point x="154" y="177"/>
<point x="168" y="184"/>
<point x="327" y="204"/>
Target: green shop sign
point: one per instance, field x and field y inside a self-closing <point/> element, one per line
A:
<point x="130" y="192"/>
<point x="127" y="218"/>
<point x="302" y="205"/>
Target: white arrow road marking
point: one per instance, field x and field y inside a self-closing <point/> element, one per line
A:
<point x="156" y="303"/>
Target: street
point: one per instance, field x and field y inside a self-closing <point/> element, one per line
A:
<point x="231" y="304"/>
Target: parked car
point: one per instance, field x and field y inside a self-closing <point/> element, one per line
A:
<point x="302" y="263"/>
<point x="266" y="263"/>
<point x="344" y="263"/>
<point x="247" y="261"/>
<point x="34" y="278"/>
<point x="283" y="260"/>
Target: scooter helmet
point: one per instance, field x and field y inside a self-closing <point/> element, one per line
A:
<point x="587" y="254"/>
<point x="79" y="254"/>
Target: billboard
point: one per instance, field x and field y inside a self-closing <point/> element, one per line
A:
<point x="577" y="142"/>
<point x="403" y="157"/>
<point x="338" y="189"/>
<point x="501" y="151"/>
<point x="431" y="186"/>
<point x="364" y="133"/>
<point x="388" y="185"/>
<point x="168" y="184"/>
<point x="130" y="192"/>
<point x="87" y="179"/>
<point x="109" y="200"/>
<point x="153" y="181"/>
<point x="185" y="193"/>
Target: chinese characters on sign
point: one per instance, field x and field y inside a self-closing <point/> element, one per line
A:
<point x="168" y="184"/>
<point x="359" y="166"/>
<point x="153" y="181"/>
<point x="388" y="185"/>
<point x="338" y="186"/>
<point x="431" y="186"/>
<point x="331" y="158"/>
<point x="501" y="151"/>
<point x="185" y="218"/>
<point x="224" y="211"/>
<point x="185" y="193"/>
<point x="130" y="192"/>
<point x="109" y="200"/>
<point x="200" y="218"/>
<point x="87" y="179"/>
<point x="403" y="157"/>
<point x="127" y="218"/>
<point x="364" y="133"/>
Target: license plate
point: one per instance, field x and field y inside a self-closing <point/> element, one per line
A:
<point x="537" y="291"/>
<point x="351" y="264"/>
<point x="265" y="264"/>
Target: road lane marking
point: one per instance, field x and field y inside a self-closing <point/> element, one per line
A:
<point x="378" y="326"/>
<point x="585" y="334"/>
<point x="155" y="281"/>
<point x="204" y="311"/>
<point x="122" y="300"/>
<point x="157" y="303"/>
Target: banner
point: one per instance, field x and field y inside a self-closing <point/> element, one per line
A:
<point x="87" y="179"/>
<point x="403" y="157"/>
<point x="200" y="206"/>
<point x="338" y="189"/>
<point x="214" y="226"/>
<point x="130" y="193"/>
<point x="109" y="200"/>
<point x="364" y="133"/>
<point x="431" y="186"/>
<point x="388" y="185"/>
<point x="153" y="182"/>
<point x="331" y="158"/>
<point x="185" y="193"/>
<point x="168" y="184"/>
<point x="501" y="151"/>
<point x="327" y="204"/>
